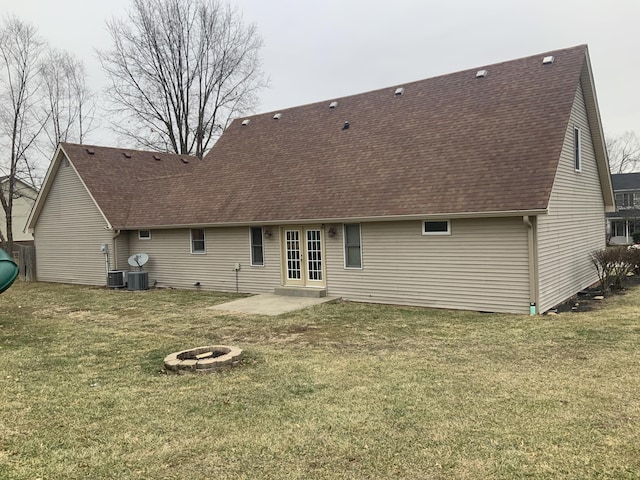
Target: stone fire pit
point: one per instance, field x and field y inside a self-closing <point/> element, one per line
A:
<point x="202" y="359"/>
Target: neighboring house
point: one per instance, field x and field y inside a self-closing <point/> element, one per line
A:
<point x="626" y="219"/>
<point x="484" y="189"/>
<point x="24" y="198"/>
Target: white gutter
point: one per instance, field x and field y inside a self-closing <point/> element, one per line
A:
<point x="383" y="218"/>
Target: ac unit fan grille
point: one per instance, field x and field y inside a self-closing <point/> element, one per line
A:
<point x="116" y="279"/>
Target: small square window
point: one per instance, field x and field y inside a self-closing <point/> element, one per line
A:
<point x="197" y="240"/>
<point x="144" y="234"/>
<point x="439" y="227"/>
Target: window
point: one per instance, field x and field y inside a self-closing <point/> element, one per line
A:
<point x="144" y="234"/>
<point x="257" y="252"/>
<point x="352" y="248"/>
<point x="440" y="227"/>
<point x="624" y="200"/>
<point x="577" y="149"/>
<point x="197" y="240"/>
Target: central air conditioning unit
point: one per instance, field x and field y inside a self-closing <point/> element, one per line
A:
<point x="117" y="279"/>
<point x="138" y="281"/>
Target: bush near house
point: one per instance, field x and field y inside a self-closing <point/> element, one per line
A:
<point x="636" y="237"/>
<point x="614" y="265"/>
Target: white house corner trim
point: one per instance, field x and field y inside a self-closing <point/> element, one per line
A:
<point x="532" y="242"/>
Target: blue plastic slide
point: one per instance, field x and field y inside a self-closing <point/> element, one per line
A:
<point x="8" y="270"/>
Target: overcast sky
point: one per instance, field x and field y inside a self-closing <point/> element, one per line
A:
<point x="322" y="49"/>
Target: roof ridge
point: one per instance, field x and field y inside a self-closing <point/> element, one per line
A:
<point x="410" y="82"/>
<point x="127" y="149"/>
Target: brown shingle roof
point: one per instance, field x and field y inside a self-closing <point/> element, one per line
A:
<point x="114" y="175"/>
<point x="452" y="144"/>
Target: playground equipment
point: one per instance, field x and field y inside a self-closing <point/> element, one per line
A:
<point x="8" y="270"/>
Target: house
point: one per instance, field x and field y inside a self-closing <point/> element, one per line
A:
<point x="485" y="189"/>
<point x="24" y="198"/>
<point x="626" y="219"/>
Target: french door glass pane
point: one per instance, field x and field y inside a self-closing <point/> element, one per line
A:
<point x="293" y="255"/>
<point x="314" y="255"/>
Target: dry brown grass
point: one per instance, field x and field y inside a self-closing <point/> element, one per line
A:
<point x="337" y="391"/>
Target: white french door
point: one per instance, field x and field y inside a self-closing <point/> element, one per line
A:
<point x="303" y="256"/>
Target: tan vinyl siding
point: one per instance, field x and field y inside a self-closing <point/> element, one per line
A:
<point x="575" y="225"/>
<point x="69" y="233"/>
<point x="172" y="265"/>
<point x="482" y="265"/>
<point x="21" y="209"/>
<point x="121" y="251"/>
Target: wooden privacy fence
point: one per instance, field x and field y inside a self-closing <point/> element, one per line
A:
<point x="25" y="257"/>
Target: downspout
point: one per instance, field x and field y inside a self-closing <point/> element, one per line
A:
<point x="115" y="249"/>
<point x="530" y="222"/>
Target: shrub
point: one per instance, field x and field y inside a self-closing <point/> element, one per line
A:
<point x="634" y="257"/>
<point x="636" y="236"/>
<point x="614" y="265"/>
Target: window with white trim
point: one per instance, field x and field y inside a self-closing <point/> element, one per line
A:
<point x="577" y="149"/>
<point x="197" y="241"/>
<point x="144" y="234"/>
<point x="257" y="246"/>
<point x="625" y="200"/>
<point x="436" y="227"/>
<point x="352" y="246"/>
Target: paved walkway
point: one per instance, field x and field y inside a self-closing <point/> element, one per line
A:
<point x="270" y="304"/>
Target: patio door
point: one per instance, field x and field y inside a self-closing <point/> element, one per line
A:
<point x="303" y="256"/>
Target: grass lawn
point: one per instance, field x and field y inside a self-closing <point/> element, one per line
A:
<point x="340" y="390"/>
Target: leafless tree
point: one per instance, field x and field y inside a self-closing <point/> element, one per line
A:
<point x="68" y="102"/>
<point x="40" y="93"/>
<point x="21" y="120"/>
<point x="624" y="152"/>
<point x="179" y="70"/>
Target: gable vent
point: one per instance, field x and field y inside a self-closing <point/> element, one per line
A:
<point x="245" y="122"/>
<point x="548" y="60"/>
<point x="482" y="73"/>
<point x="333" y="104"/>
<point x="156" y="157"/>
<point x="90" y="151"/>
<point x="126" y="154"/>
<point x="277" y="116"/>
<point x="399" y="91"/>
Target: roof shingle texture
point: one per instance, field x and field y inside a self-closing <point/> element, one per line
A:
<point x="115" y="176"/>
<point x="625" y="181"/>
<point x="452" y="144"/>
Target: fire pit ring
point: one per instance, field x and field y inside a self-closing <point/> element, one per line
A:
<point x="202" y="359"/>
